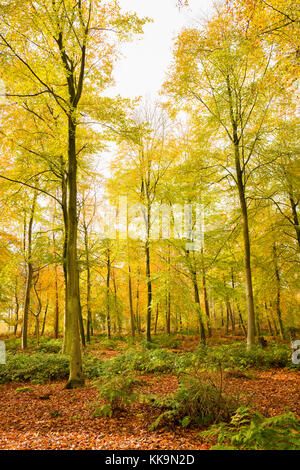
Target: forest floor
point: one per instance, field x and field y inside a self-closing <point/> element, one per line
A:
<point x="50" y="417"/>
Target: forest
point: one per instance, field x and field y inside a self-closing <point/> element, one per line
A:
<point x="149" y="246"/>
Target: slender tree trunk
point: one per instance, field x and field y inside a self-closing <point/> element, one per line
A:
<point x="176" y="320"/>
<point x="56" y="312"/>
<point x="168" y="312"/>
<point x="149" y="291"/>
<point x="156" y="318"/>
<point x="88" y="283"/>
<point x="222" y="315"/>
<point x="258" y="323"/>
<point x="227" y="316"/>
<point x="206" y="305"/>
<point x="132" y="319"/>
<point x="232" y="312"/>
<point x="273" y="319"/>
<point x="66" y="346"/>
<point x="81" y="326"/>
<point x="37" y="319"/>
<point x="168" y="298"/>
<point x="37" y="315"/>
<point x="56" y="315"/>
<point x="268" y="320"/>
<point x="242" y="322"/>
<point x="29" y="276"/>
<point x="76" y="377"/>
<point x="248" y="273"/>
<point x="295" y="219"/>
<point x="108" y="317"/>
<point x="44" y="318"/>
<point x="214" y="312"/>
<point x="232" y="316"/>
<point x="198" y="308"/>
<point x="193" y="273"/>
<point x="26" y="305"/>
<point x="17" y="307"/>
<point x="278" y="291"/>
<point x="118" y="316"/>
<point x="137" y="312"/>
<point x="245" y="223"/>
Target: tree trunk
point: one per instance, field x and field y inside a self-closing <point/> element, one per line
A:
<point x="37" y="319"/>
<point x="26" y="305"/>
<point x="198" y="308"/>
<point x="268" y="320"/>
<point x="168" y="309"/>
<point x="44" y="319"/>
<point x="118" y="316"/>
<point x="227" y="316"/>
<point x="149" y="291"/>
<point x="132" y="319"/>
<point x="66" y="346"/>
<point x="247" y="256"/>
<point x="156" y="319"/>
<point x="88" y="283"/>
<point x="81" y="326"/>
<point x="232" y="316"/>
<point x="245" y="224"/>
<point x="17" y="307"/>
<point x="222" y="315"/>
<point x="108" y="318"/>
<point x="206" y="305"/>
<point x="295" y="219"/>
<point x="232" y="312"/>
<point x="76" y="377"/>
<point x="168" y="312"/>
<point x="258" y="323"/>
<point x="56" y="315"/>
<point x="242" y="322"/>
<point x="29" y="276"/>
<point x="137" y="312"/>
<point x="278" y="292"/>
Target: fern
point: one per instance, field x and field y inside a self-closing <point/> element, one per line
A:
<point x="256" y="432"/>
<point x="116" y="391"/>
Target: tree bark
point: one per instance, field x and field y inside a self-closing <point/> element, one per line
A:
<point x="132" y="319"/>
<point x="76" y="377"/>
<point x="295" y="218"/>
<point x="245" y="224"/>
<point x="206" y="305"/>
<point x="137" y="308"/>
<point x="29" y="276"/>
<point x="56" y="317"/>
<point x="149" y="291"/>
<point x="16" y="308"/>
<point x="198" y="308"/>
<point x="278" y="292"/>
<point x="108" y="318"/>
<point x="44" y="318"/>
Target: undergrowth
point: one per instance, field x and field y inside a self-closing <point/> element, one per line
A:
<point x="253" y="431"/>
<point x="198" y="401"/>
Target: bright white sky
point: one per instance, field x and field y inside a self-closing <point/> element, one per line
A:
<point x="145" y="62"/>
<point x="142" y="70"/>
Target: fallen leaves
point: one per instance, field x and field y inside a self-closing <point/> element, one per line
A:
<point x="64" y="420"/>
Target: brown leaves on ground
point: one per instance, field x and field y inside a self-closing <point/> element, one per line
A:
<point x="65" y="419"/>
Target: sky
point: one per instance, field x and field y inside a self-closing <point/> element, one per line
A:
<point x="144" y="64"/>
<point x="142" y="70"/>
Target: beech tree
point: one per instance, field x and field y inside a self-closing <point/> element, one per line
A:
<point x="49" y="48"/>
<point x="223" y="74"/>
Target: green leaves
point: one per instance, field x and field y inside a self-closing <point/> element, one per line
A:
<point x="117" y="391"/>
<point x="252" y="431"/>
<point x="196" y="402"/>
